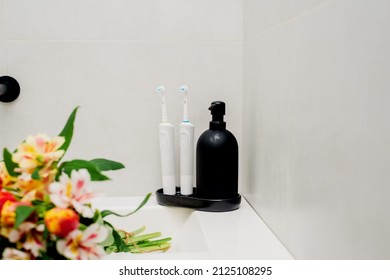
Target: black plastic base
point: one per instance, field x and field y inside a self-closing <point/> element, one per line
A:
<point x="202" y="204"/>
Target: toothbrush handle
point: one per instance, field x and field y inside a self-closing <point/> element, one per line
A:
<point x="167" y="152"/>
<point x="186" y="157"/>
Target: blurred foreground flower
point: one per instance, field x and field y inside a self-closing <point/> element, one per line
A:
<point x="46" y="210"/>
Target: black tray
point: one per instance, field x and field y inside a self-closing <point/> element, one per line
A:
<point x="202" y="204"/>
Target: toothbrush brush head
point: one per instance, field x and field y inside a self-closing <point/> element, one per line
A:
<point x="183" y="89"/>
<point x="160" y="89"/>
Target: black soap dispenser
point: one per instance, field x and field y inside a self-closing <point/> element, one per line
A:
<point x="217" y="159"/>
<point x="216" y="170"/>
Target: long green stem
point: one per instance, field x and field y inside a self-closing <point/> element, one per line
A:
<point x="137" y="243"/>
<point x="138" y="238"/>
<point x="150" y="243"/>
<point x="162" y="247"/>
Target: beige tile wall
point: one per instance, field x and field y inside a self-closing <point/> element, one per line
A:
<point x="2" y="37"/>
<point x="108" y="57"/>
<point x="316" y="126"/>
<point x="262" y="15"/>
<point x="125" y="20"/>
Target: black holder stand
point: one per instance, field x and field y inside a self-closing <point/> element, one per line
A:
<point x="9" y="89"/>
<point x="202" y="204"/>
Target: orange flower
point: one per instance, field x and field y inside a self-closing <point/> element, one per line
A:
<point x="4" y="197"/>
<point x="8" y="212"/>
<point x="61" y="221"/>
<point x="25" y="184"/>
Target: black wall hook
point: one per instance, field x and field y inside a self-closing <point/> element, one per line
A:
<point x="9" y="89"/>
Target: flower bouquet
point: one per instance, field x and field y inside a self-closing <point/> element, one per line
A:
<point x="45" y="205"/>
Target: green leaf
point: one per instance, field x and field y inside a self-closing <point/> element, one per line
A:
<point x="67" y="131"/>
<point x="35" y="174"/>
<point x="22" y="213"/>
<point x="110" y="238"/>
<point x="105" y="164"/>
<point x="82" y="227"/>
<point x="97" y="218"/>
<point x="9" y="164"/>
<point x="119" y="243"/>
<point x="41" y="207"/>
<point x="78" y="164"/>
<point x="105" y="213"/>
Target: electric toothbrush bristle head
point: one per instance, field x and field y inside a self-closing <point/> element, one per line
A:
<point x="160" y="89"/>
<point x="183" y="89"/>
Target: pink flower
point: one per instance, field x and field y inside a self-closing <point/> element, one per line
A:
<point x="38" y="151"/>
<point x="14" y="254"/>
<point x="83" y="245"/>
<point x="73" y="191"/>
<point x="30" y="236"/>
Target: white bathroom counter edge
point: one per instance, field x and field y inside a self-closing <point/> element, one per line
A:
<point x="238" y="234"/>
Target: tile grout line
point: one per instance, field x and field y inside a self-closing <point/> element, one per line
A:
<point x="311" y="10"/>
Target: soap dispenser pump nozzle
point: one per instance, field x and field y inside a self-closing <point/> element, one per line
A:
<point x="217" y="109"/>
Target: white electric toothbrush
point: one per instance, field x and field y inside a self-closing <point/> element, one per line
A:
<point x="186" y="148"/>
<point x="167" y="148"/>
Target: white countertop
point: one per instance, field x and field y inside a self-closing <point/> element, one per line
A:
<point x="239" y="234"/>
